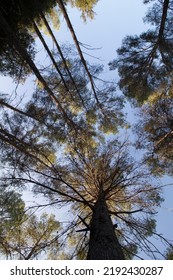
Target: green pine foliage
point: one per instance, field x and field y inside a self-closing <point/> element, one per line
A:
<point x="144" y="62"/>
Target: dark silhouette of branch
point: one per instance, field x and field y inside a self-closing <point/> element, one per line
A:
<point x="15" y="109"/>
<point x="83" y="221"/>
<point x="29" y="61"/>
<point x="125" y="212"/>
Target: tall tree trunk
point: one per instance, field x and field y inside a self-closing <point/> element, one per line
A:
<point x="61" y="55"/>
<point x="49" y="53"/>
<point x="103" y="244"/>
<point x="163" y="19"/>
<point x="71" y="29"/>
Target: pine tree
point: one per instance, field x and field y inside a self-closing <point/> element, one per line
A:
<point x="144" y="62"/>
<point x="22" y="234"/>
<point x="56" y="143"/>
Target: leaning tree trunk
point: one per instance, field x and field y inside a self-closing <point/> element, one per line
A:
<point x="103" y="244"/>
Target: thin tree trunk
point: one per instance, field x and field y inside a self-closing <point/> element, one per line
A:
<point x="63" y="9"/>
<point x="103" y="244"/>
<point x="49" y="53"/>
<point x="61" y="54"/>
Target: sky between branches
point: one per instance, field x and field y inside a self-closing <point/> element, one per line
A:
<point x="113" y="21"/>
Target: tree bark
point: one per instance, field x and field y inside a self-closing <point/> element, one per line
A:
<point x="163" y="19"/>
<point x="103" y="244"/>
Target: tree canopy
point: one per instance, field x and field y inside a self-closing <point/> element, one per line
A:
<point x="144" y="61"/>
<point x="63" y="143"/>
<point x="19" y="15"/>
<point x="22" y="234"/>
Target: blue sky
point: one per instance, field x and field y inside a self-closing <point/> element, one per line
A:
<point x="113" y="20"/>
